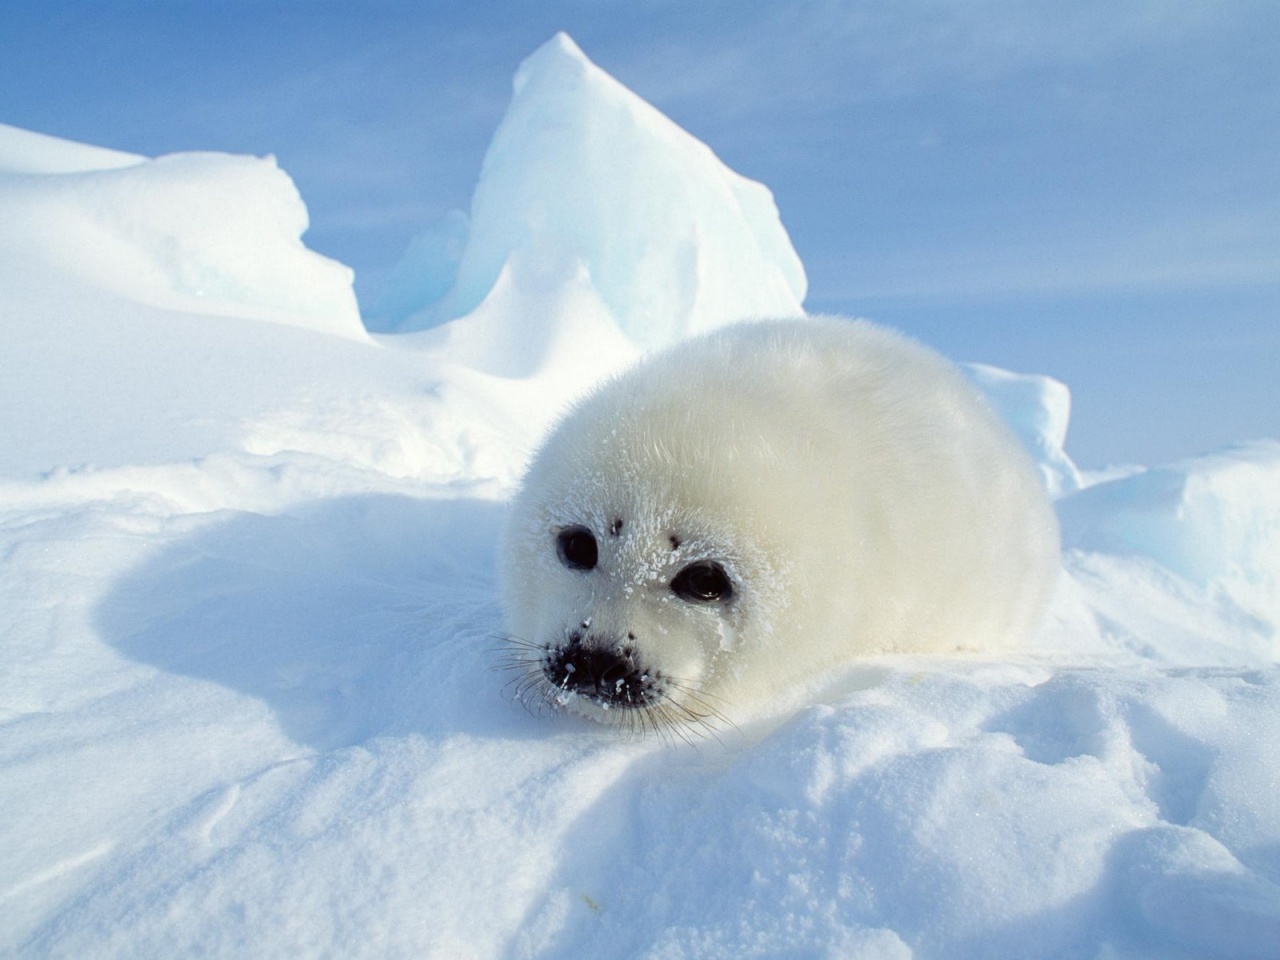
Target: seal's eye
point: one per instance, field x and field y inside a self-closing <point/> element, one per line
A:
<point x="704" y="582"/>
<point x="577" y="548"/>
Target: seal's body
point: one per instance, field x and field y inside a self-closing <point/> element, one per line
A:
<point x="748" y="509"/>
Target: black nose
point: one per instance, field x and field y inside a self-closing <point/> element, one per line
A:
<point x="606" y="675"/>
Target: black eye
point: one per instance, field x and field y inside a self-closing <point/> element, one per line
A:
<point x="577" y="548"/>
<point x="704" y="582"/>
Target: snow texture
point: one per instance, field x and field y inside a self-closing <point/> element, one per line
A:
<point x="248" y="704"/>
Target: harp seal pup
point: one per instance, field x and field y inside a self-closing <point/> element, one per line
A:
<point x="746" y="510"/>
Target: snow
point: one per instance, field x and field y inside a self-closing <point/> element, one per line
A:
<point x="208" y="233"/>
<point x="1213" y="520"/>
<point x="248" y="696"/>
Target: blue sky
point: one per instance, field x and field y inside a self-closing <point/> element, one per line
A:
<point x="1089" y="189"/>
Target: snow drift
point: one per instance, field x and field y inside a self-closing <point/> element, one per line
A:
<point x="246" y="704"/>
<point x="208" y="233"/>
<point x="1213" y="520"/>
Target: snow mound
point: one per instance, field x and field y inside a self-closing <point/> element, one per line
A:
<point x="581" y="170"/>
<point x="1038" y="408"/>
<point x="1212" y="520"/>
<point x="199" y="232"/>
<point x="575" y="332"/>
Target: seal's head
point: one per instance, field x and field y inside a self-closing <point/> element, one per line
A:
<point x="626" y="597"/>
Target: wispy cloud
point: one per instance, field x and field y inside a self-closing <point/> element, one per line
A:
<point x="1223" y="250"/>
<point x="829" y="52"/>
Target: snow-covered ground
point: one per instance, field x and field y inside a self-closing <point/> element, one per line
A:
<point x="248" y="702"/>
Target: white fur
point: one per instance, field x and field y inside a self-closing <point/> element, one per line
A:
<point x="861" y="494"/>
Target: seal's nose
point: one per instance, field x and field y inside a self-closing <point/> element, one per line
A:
<point x="606" y="675"/>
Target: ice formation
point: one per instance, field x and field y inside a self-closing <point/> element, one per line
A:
<point x="582" y="173"/>
<point x="1038" y="408"/>
<point x="422" y="276"/>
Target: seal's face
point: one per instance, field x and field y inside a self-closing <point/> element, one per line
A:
<point x="630" y="613"/>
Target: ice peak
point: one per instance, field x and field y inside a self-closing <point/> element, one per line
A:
<point x="564" y="44"/>
<point x="560" y="71"/>
<point x="583" y="171"/>
<point x="559" y="55"/>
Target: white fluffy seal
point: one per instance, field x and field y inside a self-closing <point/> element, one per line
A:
<point x="748" y="509"/>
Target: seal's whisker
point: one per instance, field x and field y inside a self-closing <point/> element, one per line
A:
<point x="637" y="718"/>
<point x="677" y="728"/>
<point x="666" y="730"/>
<point x="520" y="685"/>
<point x="515" y="641"/>
<point x="694" y="686"/>
<point x="518" y="669"/>
<point x="699" y="697"/>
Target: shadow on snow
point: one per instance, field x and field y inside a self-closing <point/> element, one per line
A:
<point x="350" y="618"/>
